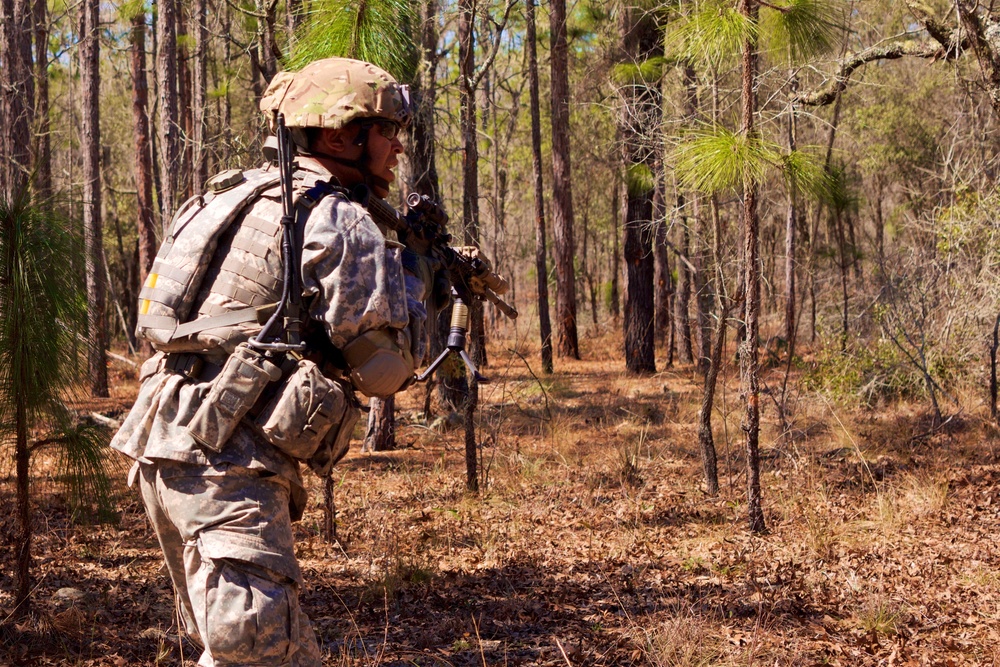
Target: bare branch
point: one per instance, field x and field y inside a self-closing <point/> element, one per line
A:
<point x="500" y="25"/>
<point x="836" y="84"/>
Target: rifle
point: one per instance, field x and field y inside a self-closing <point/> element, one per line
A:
<point x="289" y="309"/>
<point x="470" y="277"/>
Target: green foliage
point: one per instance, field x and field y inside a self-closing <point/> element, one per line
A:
<point x="41" y="309"/>
<point x="639" y="179"/>
<point x="648" y="72"/>
<point x="868" y="374"/>
<point x="713" y="32"/>
<point x="129" y="9"/>
<point x="807" y="173"/>
<point x="374" y="31"/>
<point x="716" y="159"/>
<point x="839" y="192"/>
<point x="801" y="29"/>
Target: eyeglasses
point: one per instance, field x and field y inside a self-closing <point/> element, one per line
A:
<point x="387" y="128"/>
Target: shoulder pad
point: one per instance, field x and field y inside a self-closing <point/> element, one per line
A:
<point x="225" y="180"/>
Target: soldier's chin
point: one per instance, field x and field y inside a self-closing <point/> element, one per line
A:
<point x="381" y="192"/>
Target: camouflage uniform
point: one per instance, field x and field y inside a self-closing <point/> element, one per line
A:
<point x="223" y="519"/>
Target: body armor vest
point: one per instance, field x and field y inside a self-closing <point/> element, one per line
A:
<point x="218" y="276"/>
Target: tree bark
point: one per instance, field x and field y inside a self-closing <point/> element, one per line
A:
<point x="567" y="344"/>
<point x="682" y="298"/>
<point x="92" y="225"/>
<point x="541" y="263"/>
<point x="166" y="73"/>
<point x="199" y="89"/>
<point x="470" y="208"/>
<point x="43" y="143"/>
<point x="638" y="242"/>
<point x="749" y="361"/>
<point x="662" y="280"/>
<point x="381" y="434"/>
<point x="17" y="100"/>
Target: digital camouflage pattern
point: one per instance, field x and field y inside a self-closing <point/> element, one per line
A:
<point x="224" y="518"/>
<point x="332" y="92"/>
<point x="227" y="541"/>
<point x="179" y="270"/>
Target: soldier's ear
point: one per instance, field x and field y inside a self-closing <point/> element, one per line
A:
<point x="334" y="142"/>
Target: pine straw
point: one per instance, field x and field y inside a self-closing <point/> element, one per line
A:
<point x="593" y="542"/>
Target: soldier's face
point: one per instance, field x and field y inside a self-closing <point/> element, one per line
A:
<point x="383" y="148"/>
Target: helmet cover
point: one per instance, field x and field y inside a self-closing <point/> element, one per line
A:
<point x="332" y="92"/>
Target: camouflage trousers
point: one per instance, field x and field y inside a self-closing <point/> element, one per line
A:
<point x="226" y="535"/>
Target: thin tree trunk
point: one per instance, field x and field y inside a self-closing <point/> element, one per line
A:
<point x="661" y="267"/>
<point x="682" y="298"/>
<point x="92" y="224"/>
<point x="749" y="362"/>
<point x="145" y="218"/>
<point x="541" y="264"/>
<point x="616" y="270"/>
<point x="43" y="145"/>
<point x="993" y="368"/>
<point x="562" y="198"/>
<point x="199" y="154"/>
<point x="790" y="229"/>
<point x="381" y="434"/>
<point x="17" y="100"/>
<point x="166" y="71"/>
<point x="470" y="208"/>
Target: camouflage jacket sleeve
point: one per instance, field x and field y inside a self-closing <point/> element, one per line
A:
<point x="355" y="275"/>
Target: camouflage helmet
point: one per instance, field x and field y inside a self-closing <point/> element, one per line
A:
<point x="332" y="92"/>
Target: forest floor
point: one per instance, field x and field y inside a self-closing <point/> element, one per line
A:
<point x="592" y="541"/>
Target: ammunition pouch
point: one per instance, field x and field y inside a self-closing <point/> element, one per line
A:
<point x="303" y="412"/>
<point x="237" y="388"/>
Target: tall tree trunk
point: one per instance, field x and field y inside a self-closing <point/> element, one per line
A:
<point x="145" y="221"/>
<point x="43" y="143"/>
<point x="617" y="216"/>
<point x="184" y="106"/>
<point x="541" y="264"/>
<point x="92" y="225"/>
<point x="661" y="266"/>
<point x="166" y="73"/>
<point x="790" y="229"/>
<point x="749" y="361"/>
<point x="18" y="98"/>
<point x="567" y="344"/>
<point x="699" y="251"/>
<point x="199" y="87"/>
<point x="682" y="298"/>
<point x="638" y="117"/>
<point x="639" y="348"/>
<point x="705" y="438"/>
<point x="470" y="206"/>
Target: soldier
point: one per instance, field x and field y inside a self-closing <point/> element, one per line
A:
<point x="222" y="501"/>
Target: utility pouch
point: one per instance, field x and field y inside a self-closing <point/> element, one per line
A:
<point x="303" y="411"/>
<point x="240" y="383"/>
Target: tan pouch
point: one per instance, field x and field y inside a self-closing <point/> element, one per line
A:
<point x="307" y="406"/>
<point x="236" y="389"/>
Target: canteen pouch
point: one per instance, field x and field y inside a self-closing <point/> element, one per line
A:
<point x="240" y="383"/>
<point x="305" y="409"/>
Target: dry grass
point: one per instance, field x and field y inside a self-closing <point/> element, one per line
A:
<point x="593" y="543"/>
